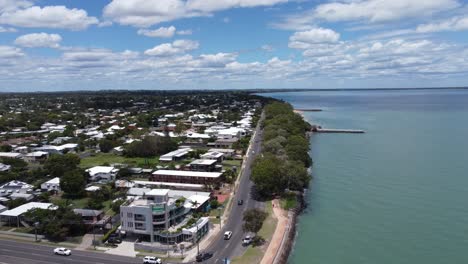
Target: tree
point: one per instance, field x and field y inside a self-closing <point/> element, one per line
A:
<point x="73" y="183"/>
<point x="6" y="148"/>
<point x="124" y="173"/>
<point x="106" y="145"/>
<point x="151" y="146"/>
<point x="56" y="165"/>
<point x="56" y="224"/>
<point x="267" y="175"/>
<point x="253" y="220"/>
<point x="116" y="205"/>
<point x="15" y="203"/>
<point x="69" y="131"/>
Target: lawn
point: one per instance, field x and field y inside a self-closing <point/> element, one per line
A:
<point x="255" y="254"/>
<point x="109" y="158"/>
<point x="229" y="164"/>
<point x="288" y="201"/>
<point x="76" y="203"/>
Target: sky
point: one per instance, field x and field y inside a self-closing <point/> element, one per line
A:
<point x="64" y="45"/>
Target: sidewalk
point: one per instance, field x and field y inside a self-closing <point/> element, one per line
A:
<point x="277" y="240"/>
<point x="204" y="243"/>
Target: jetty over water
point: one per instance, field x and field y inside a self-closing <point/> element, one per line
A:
<point x="309" y="110"/>
<point x="331" y="130"/>
<point x="319" y="129"/>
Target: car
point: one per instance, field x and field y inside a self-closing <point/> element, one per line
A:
<point x="114" y="240"/>
<point x="62" y="251"/>
<point x="227" y="235"/>
<point x="203" y="256"/>
<point x="240" y="202"/>
<point x="247" y="240"/>
<point x="151" y="260"/>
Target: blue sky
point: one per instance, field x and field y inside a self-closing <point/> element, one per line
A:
<point x="50" y="45"/>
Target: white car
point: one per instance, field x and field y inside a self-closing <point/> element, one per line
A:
<point x="62" y="251"/>
<point x="227" y="235"/>
<point x="247" y="240"/>
<point x="151" y="260"/>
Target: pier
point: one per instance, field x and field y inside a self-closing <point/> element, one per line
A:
<point x="309" y="110"/>
<point x="319" y="129"/>
<point x="330" y="130"/>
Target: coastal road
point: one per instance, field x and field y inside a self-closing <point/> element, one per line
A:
<point x="221" y="248"/>
<point x="13" y="252"/>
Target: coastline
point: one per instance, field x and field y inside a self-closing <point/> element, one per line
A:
<point x="286" y="232"/>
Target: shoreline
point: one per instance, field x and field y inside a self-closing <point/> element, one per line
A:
<point x="287" y="233"/>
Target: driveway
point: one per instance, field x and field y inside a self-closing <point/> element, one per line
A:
<point x="125" y="248"/>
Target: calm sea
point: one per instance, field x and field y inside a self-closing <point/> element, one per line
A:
<point x="397" y="194"/>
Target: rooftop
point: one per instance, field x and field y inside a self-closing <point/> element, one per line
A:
<point x="26" y="207"/>
<point x="203" y="162"/>
<point x="158" y="192"/>
<point x="187" y="173"/>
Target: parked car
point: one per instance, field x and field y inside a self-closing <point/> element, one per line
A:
<point x="227" y="235"/>
<point x="62" y="251"/>
<point x="151" y="260"/>
<point x="114" y="240"/>
<point x="203" y="256"/>
<point x="247" y="240"/>
<point x="240" y="202"/>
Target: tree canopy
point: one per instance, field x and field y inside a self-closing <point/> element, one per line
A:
<point x="285" y="158"/>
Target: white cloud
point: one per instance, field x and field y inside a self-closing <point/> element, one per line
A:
<point x="7" y="29"/>
<point x="162" y="32"/>
<point x="170" y="49"/>
<point x="365" y="11"/>
<point x="303" y="39"/>
<point x="145" y="13"/>
<point x="217" y="5"/>
<point x="36" y="40"/>
<point x="381" y="10"/>
<point x="184" y="32"/>
<point x="48" y="17"/>
<point x="12" y="5"/>
<point x="8" y="52"/>
<point x="453" y="24"/>
<point x="214" y="60"/>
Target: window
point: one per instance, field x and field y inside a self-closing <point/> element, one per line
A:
<point x="130" y="224"/>
<point x="129" y="215"/>
<point x="139" y="217"/>
<point x="140" y="226"/>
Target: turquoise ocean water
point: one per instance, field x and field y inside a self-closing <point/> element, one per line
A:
<point x="394" y="195"/>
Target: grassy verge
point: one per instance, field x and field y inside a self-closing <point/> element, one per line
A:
<point x="254" y="255"/>
<point x="288" y="201"/>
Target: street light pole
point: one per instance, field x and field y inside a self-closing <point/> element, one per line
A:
<point x="94" y="236"/>
<point x="220" y="219"/>
<point x="198" y="244"/>
<point x="35" y="231"/>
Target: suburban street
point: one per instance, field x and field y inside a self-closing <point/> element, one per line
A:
<point x="221" y="248"/>
<point x="12" y="252"/>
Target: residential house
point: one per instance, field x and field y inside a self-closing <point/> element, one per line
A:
<point x="51" y="185"/>
<point x="204" y="165"/>
<point x="102" y="173"/>
<point x="4" y="167"/>
<point x="15" y="186"/>
<point x="175" y="155"/>
<point x="193" y="177"/>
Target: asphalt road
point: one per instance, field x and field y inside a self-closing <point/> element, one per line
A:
<point x="221" y="248"/>
<point x="12" y="252"/>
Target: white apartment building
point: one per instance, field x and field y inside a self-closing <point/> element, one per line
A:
<point x="162" y="218"/>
